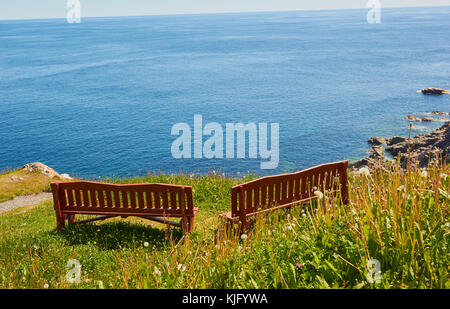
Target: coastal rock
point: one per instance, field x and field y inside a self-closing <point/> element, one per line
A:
<point x="424" y="147"/>
<point x="377" y="140"/>
<point x="376" y="153"/>
<point x="419" y="119"/>
<point x="41" y="168"/>
<point x="434" y="91"/>
<point x="395" y="140"/>
<point x="440" y="113"/>
<point x="65" y="176"/>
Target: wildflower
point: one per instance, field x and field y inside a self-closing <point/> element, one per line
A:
<point x="156" y="271"/>
<point x="98" y="230"/>
<point x="424" y="174"/>
<point x="318" y="194"/>
<point x="289" y="227"/>
<point x="444" y="176"/>
<point x="87" y="280"/>
<point x="244" y="236"/>
<point x="239" y="248"/>
<point x="46" y="286"/>
<point x="181" y="267"/>
<point x="299" y="265"/>
<point x="100" y="284"/>
<point x="146" y="244"/>
<point x="269" y="232"/>
<point x="364" y="171"/>
<point x="401" y="188"/>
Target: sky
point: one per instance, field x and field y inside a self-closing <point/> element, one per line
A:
<point x="39" y="9"/>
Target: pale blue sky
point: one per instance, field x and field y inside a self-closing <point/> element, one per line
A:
<point x="27" y="9"/>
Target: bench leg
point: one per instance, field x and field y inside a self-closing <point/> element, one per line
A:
<point x="190" y="224"/>
<point x="60" y="222"/>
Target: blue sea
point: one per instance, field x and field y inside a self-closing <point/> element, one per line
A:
<point x="99" y="98"/>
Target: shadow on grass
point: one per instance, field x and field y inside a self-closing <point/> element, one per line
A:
<point x="116" y="235"/>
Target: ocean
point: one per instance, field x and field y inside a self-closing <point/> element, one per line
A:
<point x="100" y="98"/>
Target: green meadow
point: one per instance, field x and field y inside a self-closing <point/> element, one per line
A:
<point x="396" y="218"/>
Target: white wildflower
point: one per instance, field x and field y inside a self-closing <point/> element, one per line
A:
<point x="318" y="194"/>
<point x="401" y="188"/>
<point x="156" y="271"/>
<point x="244" y="236"/>
<point x="424" y="174"/>
<point x="364" y="171"/>
<point x="181" y="267"/>
<point x="444" y="176"/>
<point x="146" y="244"/>
<point x="46" y="286"/>
<point x="100" y="284"/>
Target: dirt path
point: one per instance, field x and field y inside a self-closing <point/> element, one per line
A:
<point x="25" y="200"/>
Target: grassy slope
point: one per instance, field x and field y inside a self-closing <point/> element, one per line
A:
<point x="26" y="183"/>
<point x="316" y="246"/>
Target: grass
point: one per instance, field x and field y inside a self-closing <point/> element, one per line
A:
<point x="21" y="182"/>
<point x="399" y="218"/>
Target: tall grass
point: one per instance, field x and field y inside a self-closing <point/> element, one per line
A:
<point x="397" y="217"/>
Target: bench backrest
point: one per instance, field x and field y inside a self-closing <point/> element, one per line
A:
<point x="85" y="195"/>
<point x="284" y="190"/>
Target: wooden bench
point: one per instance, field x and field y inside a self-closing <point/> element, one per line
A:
<point x="149" y="201"/>
<point x="283" y="191"/>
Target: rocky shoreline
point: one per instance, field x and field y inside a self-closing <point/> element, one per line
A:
<point x="421" y="149"/>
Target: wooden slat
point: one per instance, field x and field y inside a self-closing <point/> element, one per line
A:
<point x="78" y="202"/>
<point x="248" y="202"/>
<point x="165" y="196"/>
<point x="141" y="199"/>
<point x="157" y="196"/>
<point x="93" y="196"/>
<point x="125" y="202"/>
<point x="189" y="198"/>
<point x="101" y="198"/>
<point x="116" y="194"/>
<point x="85" y="194"/>
<point x="149" y="199"/>
<point x="173" y="200"/>
<point x="70" y="202"/>
<point x="264" y="196"/>
<point x="109" y="199"/>
<point x="129" y="211"/>
<point x="133" y="198"/>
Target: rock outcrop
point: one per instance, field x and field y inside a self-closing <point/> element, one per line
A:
<point x="44" y="169"/>
<point x="424" y="147"/>
<point x="419" y="119"/>
<point x="377" y="141"/>
<point x="440" y="113"/>
<point x="434" y="91"/>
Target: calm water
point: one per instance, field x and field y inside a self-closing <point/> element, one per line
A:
<point x="101" y="97"/>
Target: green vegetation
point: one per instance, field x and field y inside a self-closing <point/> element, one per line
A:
<point x="22" y="182"/>
<point x="398" y="218"/>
